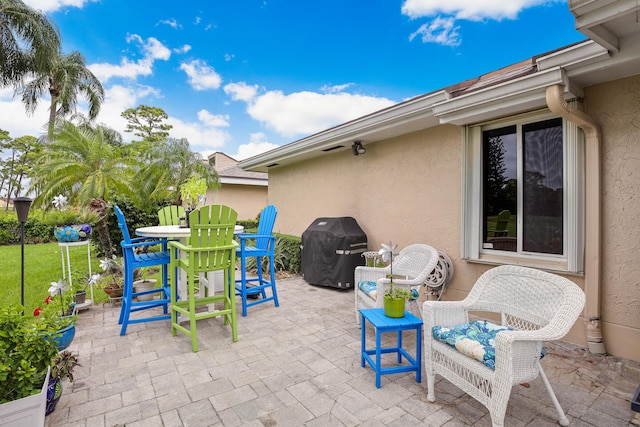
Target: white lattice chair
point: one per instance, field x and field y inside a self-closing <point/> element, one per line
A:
<point x="411" y="267"/>
<point x="538" y="306"/>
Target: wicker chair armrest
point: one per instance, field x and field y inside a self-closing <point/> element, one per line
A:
<point x="444" y="313"/>
<point x="371" y="274"/>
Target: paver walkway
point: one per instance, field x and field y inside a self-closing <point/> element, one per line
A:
<point x="299" y="365"/>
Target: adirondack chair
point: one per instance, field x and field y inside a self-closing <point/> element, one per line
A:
<point x="258" y="245"/>
<point x="170" y="215"/>
<point x="133" y="260"/>
<point x="211" y="248"/>
<point x="502" y="222"/>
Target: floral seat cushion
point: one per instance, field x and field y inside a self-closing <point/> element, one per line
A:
<point x="369" y="288"/>
<point x="475" y="339"/>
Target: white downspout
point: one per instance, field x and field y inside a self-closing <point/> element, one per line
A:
<point x="593" y="240"/>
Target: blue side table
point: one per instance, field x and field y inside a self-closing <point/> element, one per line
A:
<point x="382" y="323"/>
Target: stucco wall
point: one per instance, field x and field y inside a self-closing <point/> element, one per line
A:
<point x="616" y="107"/>
<point x="247" y="200"/>
<point x="409" y="190"/>
<point x="406" y="190"/>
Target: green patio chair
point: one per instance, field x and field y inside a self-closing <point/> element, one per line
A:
<point x="170" y="215"/>
<point x="211" y="248"/>
<point x="502" y="222"/>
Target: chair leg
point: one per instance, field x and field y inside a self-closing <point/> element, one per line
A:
<point x="127" y="300"/>
<point x="272" y="272"/>
<point x="562" y="418"/>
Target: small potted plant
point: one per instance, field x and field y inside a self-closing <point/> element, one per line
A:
<point x="115" y="278"/>
<point x="394" y="296"/>
<point x="145" y="284"/>
<point x="62" y="367"/>
<point x="58" y="314"/>
<point x="193" y="191"/>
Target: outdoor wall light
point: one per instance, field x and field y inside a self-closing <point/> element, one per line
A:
<point x="357" y="148"/>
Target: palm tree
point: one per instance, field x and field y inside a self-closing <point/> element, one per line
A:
<point x="166" y="166"/>
<point x="27" y="41"/>
<point x="63" y="80"/>
<point x="84" y="162"/>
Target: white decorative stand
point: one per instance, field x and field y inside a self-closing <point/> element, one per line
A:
<point x="67" y="272"/>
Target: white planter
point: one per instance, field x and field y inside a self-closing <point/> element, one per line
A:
<point x="145" y="285"/>
<point x="26" y="412"/>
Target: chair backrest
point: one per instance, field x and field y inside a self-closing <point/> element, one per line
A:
<point x="212" y="228"/>
<point x="122" y="224"/>
<point x="416" y="261"/>
<point x="528" y="298"/>
<point x="265" y="226"/>
<point x="501" y="223"/>
<point x="170" y="215"/>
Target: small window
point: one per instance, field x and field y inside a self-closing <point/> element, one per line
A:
<point x="519" y="199"/>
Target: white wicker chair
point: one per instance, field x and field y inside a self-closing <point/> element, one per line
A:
<point x="413" y="264"/>
<point x="539" y="306"/>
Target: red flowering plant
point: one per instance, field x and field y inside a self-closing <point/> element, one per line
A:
<point x="57" y="310"/>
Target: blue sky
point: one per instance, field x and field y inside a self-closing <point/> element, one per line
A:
<point x="246" y="76"/>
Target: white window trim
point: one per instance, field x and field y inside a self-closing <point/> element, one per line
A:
<point x="574" y="197"/>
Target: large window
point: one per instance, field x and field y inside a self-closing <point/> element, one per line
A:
<point x="524" y="193"/>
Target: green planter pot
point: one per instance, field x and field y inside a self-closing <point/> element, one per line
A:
<point x="394" y="307"/>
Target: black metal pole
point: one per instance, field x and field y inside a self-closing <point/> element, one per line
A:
<point x="22" y="275"/>
<point x="22" y="205"/>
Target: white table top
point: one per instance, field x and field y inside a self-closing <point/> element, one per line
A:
<point x="171" y="231"/>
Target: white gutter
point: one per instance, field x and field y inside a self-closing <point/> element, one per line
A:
<point x="593" y="239"/>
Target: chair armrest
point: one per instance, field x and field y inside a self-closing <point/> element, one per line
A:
<point x="444" y="313"/>
<point x="147" y="242"/>
<point x="369" y="274"/>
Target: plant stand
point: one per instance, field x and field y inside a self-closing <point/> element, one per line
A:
<point x="64" y="250"/>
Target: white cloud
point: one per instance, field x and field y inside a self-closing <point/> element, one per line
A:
<point x="170" y="22"/>
<point x="152" y="49"/>
<point x="15" y="119"/>
<point x="205" y="136"/>
<point x="472" y="10"/>
<point x="257" y="145"/>
<point x="303" y="113"/>
<point x="241" y="91"/>
<point x="201" y="76"/>
<point x="213" y="120"/>
<point x="335" y="88"/>
<point x="53" y="5"/>
<point x="441" y="30"/>
<point x="184" y="49"/>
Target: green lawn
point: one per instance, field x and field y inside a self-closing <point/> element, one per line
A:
<point x="42" y="265"/>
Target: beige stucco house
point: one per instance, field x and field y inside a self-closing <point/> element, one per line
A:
<point x="566" y="127"/>
<point x="246" y="191"/>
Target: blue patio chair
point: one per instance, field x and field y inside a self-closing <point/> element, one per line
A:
<point x="133" y="260"/>
<point x="261" y="244"/>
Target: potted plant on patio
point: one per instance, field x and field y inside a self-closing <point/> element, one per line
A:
<point x="70" y="232"/>
<point x="115" y="278"/>
<point x="145" y="283"/>
<point x="26" y="353"/>
<point x="193" y="191"/>
<point x="394" y="296"/>
<point x="63" y="365"/>
<point x="58" y="314"/>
